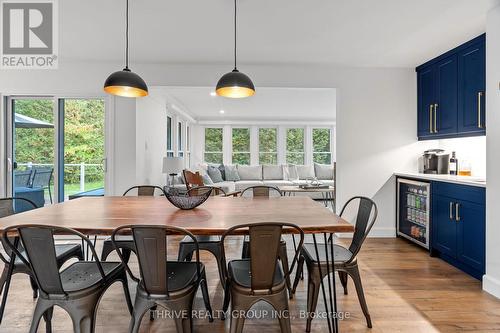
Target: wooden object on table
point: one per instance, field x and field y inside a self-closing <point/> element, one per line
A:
<point x="192" y="179"/>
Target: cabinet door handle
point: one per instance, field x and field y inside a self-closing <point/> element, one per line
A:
<point x="435" y="118"/>
<point x="430" y="118"/>
<point x="451" y="211"/>
<point x="479" y="120"/>
<point x="457" y="212"/>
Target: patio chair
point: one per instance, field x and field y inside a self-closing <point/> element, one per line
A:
<point x="23" y="178"/>
<point x="64" y="252"/>
<point x="259" y="278"/>
<point x="42" y="179"/>
<point x="344" y="259"/>
<point x="169" y="284"/>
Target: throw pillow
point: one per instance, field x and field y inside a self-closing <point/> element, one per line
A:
<point x="272" y="172"/>
<point x="290" y="172"/>
<point x="323" y="171"/>
<point x="247" y="172"/>
<point x="215" y="174"/>
<point x="207" y="180"/>
<point x="305" y="171"/>
<point x="231" y="173"/>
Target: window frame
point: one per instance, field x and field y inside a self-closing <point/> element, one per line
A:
<point x="331" y="143"/>
<point x="221" y="128"/>
<point x="170" y="132"/>
<point x="304" y="144"/>
<point x="249" y="152"/>
<point x="276" y="152"/>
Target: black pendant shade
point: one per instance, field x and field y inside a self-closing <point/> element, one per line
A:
<point x="235" y="84"/>
<point x="126" y="83"/>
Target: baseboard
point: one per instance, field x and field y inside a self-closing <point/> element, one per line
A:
<point x="491" y="285"/>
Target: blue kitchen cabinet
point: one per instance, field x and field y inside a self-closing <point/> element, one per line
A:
<point x="458" y="226"/>
<point x="450" y="93"/>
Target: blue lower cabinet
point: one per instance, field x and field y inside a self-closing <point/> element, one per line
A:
<point x="458" y="226"/>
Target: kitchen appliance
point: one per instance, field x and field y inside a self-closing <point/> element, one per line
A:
<point x="436" y="161"/>
<point x="413" y="211"/>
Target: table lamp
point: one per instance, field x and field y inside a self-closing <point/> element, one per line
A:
<point x="172" y="166"/>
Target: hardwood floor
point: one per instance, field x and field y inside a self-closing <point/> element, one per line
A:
<point x="406" y="291"/>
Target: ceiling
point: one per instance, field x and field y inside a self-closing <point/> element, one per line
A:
<point x="382" y="33"/>
<point x="270" y="104"/>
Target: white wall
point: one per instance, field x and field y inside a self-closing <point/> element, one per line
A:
<point x="491" y="281"/>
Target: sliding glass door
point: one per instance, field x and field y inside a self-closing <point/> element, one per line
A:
<point x="55" y="148"/>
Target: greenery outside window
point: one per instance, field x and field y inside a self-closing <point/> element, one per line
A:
<point x="322" y="152"/>
<point x="170" y="150"/>
<point x="213" y="145"/>
<point x="295" y="146"/>
<point x="268" y="146"/>
<point x="241" y="146"/>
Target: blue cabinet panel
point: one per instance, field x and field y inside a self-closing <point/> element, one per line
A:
<point x="445" y="107"/>
<point x="426" y="88"/>
<point x="471" y="234"/>
<point x="444" y="226"/>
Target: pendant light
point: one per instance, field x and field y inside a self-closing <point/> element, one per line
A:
<point x="125" y="82"/>
<point x="235" y="84"/>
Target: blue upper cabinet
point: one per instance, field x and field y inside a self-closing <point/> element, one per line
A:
<point x="451" y="93"/>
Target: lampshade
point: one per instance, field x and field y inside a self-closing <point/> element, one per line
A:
<point x="235" y="84"/>
<point x="126" y="83"/>
<point x="172" y="165"/>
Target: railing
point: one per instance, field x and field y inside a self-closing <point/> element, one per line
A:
<point x="83" y="167"/>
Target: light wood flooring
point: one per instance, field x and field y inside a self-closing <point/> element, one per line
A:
<point x="406" y="291"/>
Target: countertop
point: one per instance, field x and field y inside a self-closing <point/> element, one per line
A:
<point x="464" y="180"/>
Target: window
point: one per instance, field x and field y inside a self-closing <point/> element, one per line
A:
<point x="188" y="146"/>
<point x="170" y="151"/>
<point x="295" y="145"/>
<point x="213" y="145"/>
<point x="241" y="146"/>
<point x="180" y="147"/>
<point x="268" y="147"/>
<point x="321" y="138"/>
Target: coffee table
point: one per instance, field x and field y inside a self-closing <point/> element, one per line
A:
<point x="328" y="193"/>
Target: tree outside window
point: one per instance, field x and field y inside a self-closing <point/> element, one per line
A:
<point x="213" y="145"/>
<point x="295" y="146"/>
<point x="268" y="147"/>
<point x="322" y="152"/>
<point x="241" y="146"/>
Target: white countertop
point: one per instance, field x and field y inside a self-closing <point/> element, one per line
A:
<point x="464" y="180"/>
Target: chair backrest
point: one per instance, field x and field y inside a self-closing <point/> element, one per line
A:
<point x="42" y="178"/>
<point x="200" y="190"/>
<point x="22" y="178"/>
<point x="262" y="191"/>
<point x="8" y="205"/>
<point x="365" y="217"/>
<point x="264" y="249"/>
<point x="38" y="242"/>
<point x="192" y="179"/>
<point x="151" y="246"/>
<point x="144" y="190"/>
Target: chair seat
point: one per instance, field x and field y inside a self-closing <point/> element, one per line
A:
<point x="63" y="252"/>
<point x="241" y="274"/>
<point x="181" y="275"/>
<point x="202" y="239"/>
<point x="83" y="275"/>
<point x="341" y="253"/>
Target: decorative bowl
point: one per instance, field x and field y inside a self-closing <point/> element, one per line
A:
<point x="186" y="201"/>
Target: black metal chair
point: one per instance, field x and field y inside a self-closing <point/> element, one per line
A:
<point x="64" y="252"/>
<point x="126" y="243"/>
<point x="264" y="191"/>
<point x="344" y="259"/>
<point x="77" y="289"/>
<point x="169" y="284"/>
<point x="259" y="278"/>
<point x="42" y="179"/>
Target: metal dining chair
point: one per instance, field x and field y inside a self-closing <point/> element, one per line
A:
<point x="169" y="284"/>
<point x="260" y="277"/>
<point x="77" y="288"/>
<point x="344" y="258"/>
<point x="63" y="252"/>
<point x="264" y="191"/>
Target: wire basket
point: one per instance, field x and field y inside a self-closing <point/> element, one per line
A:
<point x="186" y="201"/>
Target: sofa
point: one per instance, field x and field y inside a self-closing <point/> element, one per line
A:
<point x="239" y="177"/>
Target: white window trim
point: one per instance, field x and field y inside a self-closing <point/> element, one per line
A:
<point x="258" y="152"/>
<point x="241" y="152"/>
<point x="332" y="143"/>
<point x="305" y="145"/>
<point x="213" y="152"/>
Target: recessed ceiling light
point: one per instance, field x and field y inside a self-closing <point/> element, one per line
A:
<point x="213" y="94"/>
<point x="221" y="111"/>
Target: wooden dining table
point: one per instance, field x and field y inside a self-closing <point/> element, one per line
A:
<point x="101" y="215"/>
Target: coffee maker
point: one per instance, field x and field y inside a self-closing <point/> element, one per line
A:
<point x="436" y="161"/>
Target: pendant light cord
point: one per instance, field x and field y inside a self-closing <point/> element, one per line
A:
<point x="234" y="34"/>
<point x="126" y="38"/>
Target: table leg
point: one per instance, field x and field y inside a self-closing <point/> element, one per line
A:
<point x="9" y="277"/>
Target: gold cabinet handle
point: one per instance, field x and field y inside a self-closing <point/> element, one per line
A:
<point x="430" y="119"/>
<point x="479" y="120"/>
<point x="435" y="118"/>
<point x="457" y="212"/>
<point x="451" y="210"/>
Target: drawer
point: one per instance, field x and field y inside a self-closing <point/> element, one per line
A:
<point x="460" y="192"/>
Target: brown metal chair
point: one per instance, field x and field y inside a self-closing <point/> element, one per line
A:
<point x="169" y="284"/>
<point x="264" y="191"/>
<point x="344" y="258"/>
<point x="259" y="278"/>
<point x="200" y="190"/>
<point x="192" y="179"/>
<point x="145" y="190"/>
<point x="64" y="252"/>
<point x="77" y="289"/>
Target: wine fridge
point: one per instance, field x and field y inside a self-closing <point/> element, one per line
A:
<point x="413" y="211"/>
